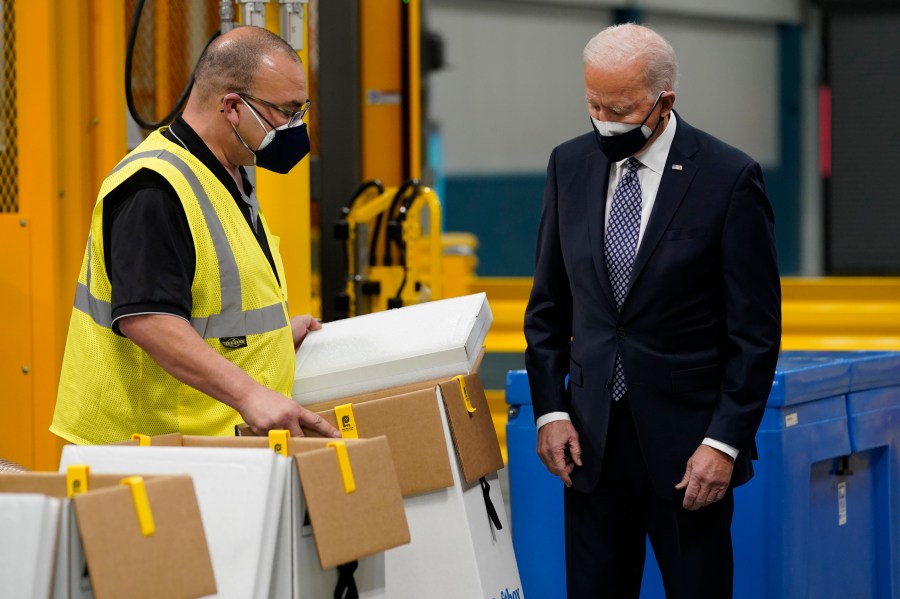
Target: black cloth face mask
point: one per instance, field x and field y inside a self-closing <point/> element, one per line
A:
<point x="287" y="148"/>
<point x="281" y="148"/>
<point x="623" y="145"/>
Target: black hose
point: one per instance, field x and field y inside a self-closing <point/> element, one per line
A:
<point x="376" y="183"/>
<point x="409" y="189"/>
<point x="345" y="213"/>
<point x="129" y="94"/>
<point x="376" y="230"/>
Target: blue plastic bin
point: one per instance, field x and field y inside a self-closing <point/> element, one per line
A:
<point x="873" y="408"/>
<point x="820" y="519"/>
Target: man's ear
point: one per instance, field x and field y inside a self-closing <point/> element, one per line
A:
<point x="667" y="102"/>
<point x="230" y="107"/>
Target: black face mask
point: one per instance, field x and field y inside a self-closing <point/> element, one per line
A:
<point x="619" y="147"/>
<point x="287" y="148"/>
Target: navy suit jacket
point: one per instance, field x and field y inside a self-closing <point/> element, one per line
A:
<point x="700" y="327"/>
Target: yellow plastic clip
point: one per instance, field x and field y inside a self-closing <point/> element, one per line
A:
<point x="465" y="393"/>
<point x="143" y="440"/>
<point x="344" y="463"/>
<point x="141" y="504"/>
<point x="77" y="479"/>
<point x="345" y="421"/>
<point x="278" y="441"/>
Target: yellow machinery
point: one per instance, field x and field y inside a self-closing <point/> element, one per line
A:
<point x="60" y="133"/>
<point x="393" y="255"/>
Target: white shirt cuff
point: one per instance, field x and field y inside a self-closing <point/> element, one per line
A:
<point x="551" y="417"/>
<point x="721" y="447"/>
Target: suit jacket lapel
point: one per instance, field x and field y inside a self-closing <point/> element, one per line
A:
<point x="672" y="188"/>
<point x="597" y="181"/>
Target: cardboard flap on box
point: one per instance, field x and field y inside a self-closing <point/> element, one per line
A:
<point x="354" y="501"/>
<point x="471" y="426"/>
<point x="53" y="484"/>
<point x="412" y="424"/>
<point x="173" y="561"/>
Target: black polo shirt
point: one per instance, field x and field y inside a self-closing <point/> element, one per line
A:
<point x="147" y="244"/>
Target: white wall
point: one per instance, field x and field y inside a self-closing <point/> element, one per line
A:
<point x="513" y="89"/>
<point x="513" y="86"/>
<point x="728" y="80"/>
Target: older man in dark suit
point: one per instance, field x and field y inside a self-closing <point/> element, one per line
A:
<point x="656" y="292"/>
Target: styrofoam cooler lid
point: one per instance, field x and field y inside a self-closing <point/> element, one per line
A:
<point x="802" y="376"/>
<point x="518" y="393"/>
<point x="395" y="347"/>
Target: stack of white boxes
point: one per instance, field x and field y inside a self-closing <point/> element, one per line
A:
<point x="379" y="363"/>
<point x="255" y="511"/>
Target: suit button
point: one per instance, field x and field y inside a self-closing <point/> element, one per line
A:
<point x="620" y="333"/>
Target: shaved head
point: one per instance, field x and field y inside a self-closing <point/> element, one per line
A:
<point x="230" y="62"/>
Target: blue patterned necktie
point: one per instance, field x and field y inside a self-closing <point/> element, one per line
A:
<point x="622" y="233"/>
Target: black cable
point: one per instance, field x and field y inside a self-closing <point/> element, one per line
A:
<point x="342" y="227"/>
<point x="373" y="246"/>
<point x="129" y="94"/>
<point x="401" y="217"/>
<point x="411" y="187"/>
<point x="401" y="243"/>
<point x="361" y="189"/>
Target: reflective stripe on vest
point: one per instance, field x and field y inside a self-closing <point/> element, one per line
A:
<point x="232" y="321"/>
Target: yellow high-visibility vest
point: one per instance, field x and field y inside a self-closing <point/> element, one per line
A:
<point x="109" y="387"/>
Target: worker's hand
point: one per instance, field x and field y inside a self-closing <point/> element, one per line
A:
<point x="268" y="410"/>
<point x="301" y="325"/>
<point x="559" y="449"/>
<point x="706" y="478"/>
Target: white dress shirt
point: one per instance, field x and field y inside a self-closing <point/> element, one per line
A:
<point x="653" y="161"/>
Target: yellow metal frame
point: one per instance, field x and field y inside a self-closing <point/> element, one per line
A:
<point x="423" y="254"/>
<point x="381" y="80"/>
<point x="414" y="28"/>
<point x="39" y="184"/>
<point x="71" y="133"/>
<point x="285" y="200"/>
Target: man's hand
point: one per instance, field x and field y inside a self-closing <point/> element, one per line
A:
<point x="706" y="478"/>
<point x="180" y="351"/>
<point x="268" y="410"/>
<point x="301" y="325"/>
<point x="558" y="448"/>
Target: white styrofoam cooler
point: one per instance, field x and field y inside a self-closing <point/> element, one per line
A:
<point x="455" y="551"/>
<point x="395" y="347"/>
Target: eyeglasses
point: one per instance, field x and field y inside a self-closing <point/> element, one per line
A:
<point x="293" y="117"/>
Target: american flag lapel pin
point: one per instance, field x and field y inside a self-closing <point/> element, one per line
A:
<point x="676" y="167"/>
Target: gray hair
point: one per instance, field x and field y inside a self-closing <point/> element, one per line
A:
<point x="619" y="45"/>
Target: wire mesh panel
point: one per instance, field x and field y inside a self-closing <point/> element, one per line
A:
<point x="9" y="156"/>
<point x="170" y="39"/>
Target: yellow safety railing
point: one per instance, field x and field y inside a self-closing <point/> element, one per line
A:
<point x="822" y="313"/>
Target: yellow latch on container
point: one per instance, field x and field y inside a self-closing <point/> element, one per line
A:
<point x="143" y="440"/>
<point x="77" y="479"/>
<point x="465" y="393"/>
<point x="345" y="421"/>
<point x="344" y="464"/>
<point x="141" y="504"/>
<point x="278" y="441"/>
